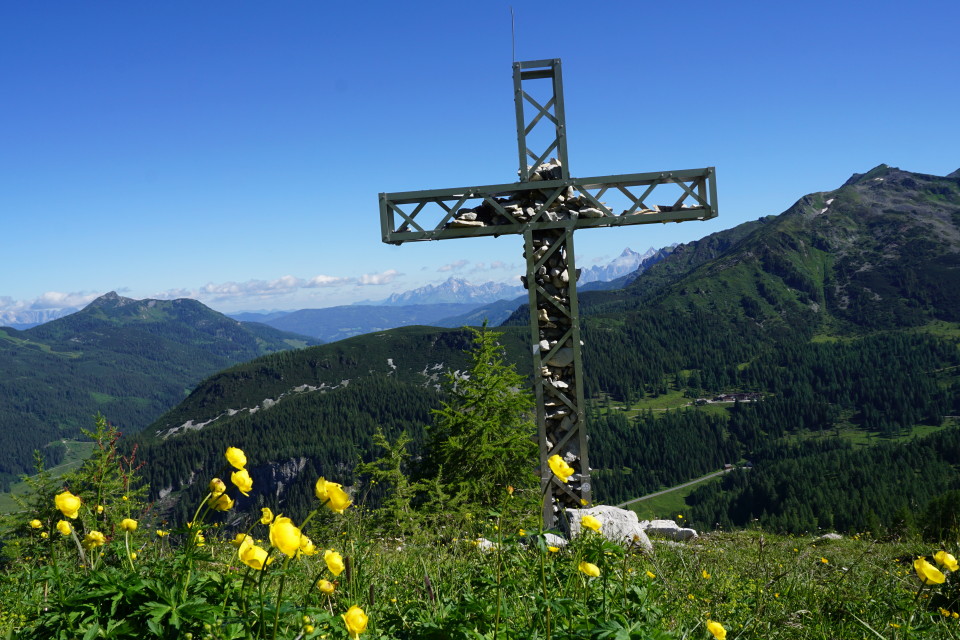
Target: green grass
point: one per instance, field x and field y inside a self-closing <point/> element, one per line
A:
<point x="668" y="505"/>
<point x="863" y="438"/>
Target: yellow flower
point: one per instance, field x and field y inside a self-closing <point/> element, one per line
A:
<point x="254" y="557"/>
<point x="651" y="574"/>
<point x="717" y="630"/>
<point x="161" y="533"/>
<point x="236" y="458"/>
<point x="217" y="486"/>
<point x="325" y="586"/>
<point x="99" y="508"/>
<point x="560" y="468"/>
<point x="705" y="574"/>
<point x="285" y="536"/>
<point x="334" y="562"/>
<point x="221" y="502"/>
<point x="243" y="481"/>
<point x="590" y="523"/>
<point x="355" y="620"/>
<point x="241" y="539"/>
<point x="308" y="628"/>
<point x="590" y="569"/>
<point x="307" y="547"/>
<point x="945" y="559"/>
<point x="68" y="504"/>
<point x="94" y="539"/>
<point x="332" y="494"/>
<point x="928" y="573"/>
<point x="266" y="515"/>
<point x="64" y="528"/>
<point x="824" y="560"/>
<point x="553" y="549"/>
<point x="36" y="524"/>
<point x="522" y="532"/>
<point x="128" y="524"/>
<point x="44" y="535"/>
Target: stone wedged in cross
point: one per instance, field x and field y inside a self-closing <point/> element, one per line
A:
<point x="546" y="206"/>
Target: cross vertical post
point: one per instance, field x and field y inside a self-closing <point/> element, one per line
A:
<point x="545" y="207"/>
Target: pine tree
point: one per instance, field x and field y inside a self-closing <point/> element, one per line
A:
<point x="482" y="439"/>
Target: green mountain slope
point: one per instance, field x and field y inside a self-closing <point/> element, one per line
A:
<point x="841" y="314"/>
<point x="128" y="359"/>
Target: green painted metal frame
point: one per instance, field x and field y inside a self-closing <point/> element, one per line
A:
<point x="399" y="223"/>
<point x="702" y="189"/>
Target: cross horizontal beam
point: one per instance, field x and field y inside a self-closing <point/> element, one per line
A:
<point x="399" y="211"/>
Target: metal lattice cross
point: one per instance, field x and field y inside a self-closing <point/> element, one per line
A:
<point x="546" y="206"/>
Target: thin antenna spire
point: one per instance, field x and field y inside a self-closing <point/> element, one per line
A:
<point x="513" y="36"/>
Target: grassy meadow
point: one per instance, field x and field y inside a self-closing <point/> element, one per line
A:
<point x="76" y="570"/>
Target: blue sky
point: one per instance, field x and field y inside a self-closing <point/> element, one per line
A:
<point x="233" y="151"/>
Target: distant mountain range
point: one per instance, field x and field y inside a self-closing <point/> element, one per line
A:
<point x="27" y="318"/>
<point x="452" y="303"/>
<point x="841" y="312"/>
<point x="128" y="359"/>
<point x="456" y="290"/>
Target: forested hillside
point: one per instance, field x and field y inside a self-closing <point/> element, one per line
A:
<point x="841" y="316"/>
<point x="127" y="359"/>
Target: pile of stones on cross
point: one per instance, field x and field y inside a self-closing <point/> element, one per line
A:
<point x="523" y="206"/>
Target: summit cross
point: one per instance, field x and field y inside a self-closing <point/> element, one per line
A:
<point x="546" y="206"/>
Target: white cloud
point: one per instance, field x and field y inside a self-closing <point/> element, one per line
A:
<point x="58" y="300"/>
<point x="386" y="277"/>
<point x="454" y="266"/>
<point x="327" y="281"/>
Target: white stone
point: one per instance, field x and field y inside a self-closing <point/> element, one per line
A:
<point x="668" y="529"/>
<point x="617" y="525"/>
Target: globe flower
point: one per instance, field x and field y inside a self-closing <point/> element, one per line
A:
<point x="266" y="516"/>
<point x="221" y="502"/>
<point x="590" y="569"/>
<point x="68" y="504"/>
<point x="928" y="573"/>
<point x="94" y="539"/>
<point x="217" y="486"/>
<point x="945" y="559"/>
<point x="560" y="468"/>
<point x="36" y="524"/>
<point x="44" y="535"/>
<point x="307" y="547"/>
<point x="355" y="620"/>
<point x="128" y="524"/>
<point x="332" y="494"/>
<point x="254" y="557"/>
<point x="285" y="536"/>
<point x="326" y="587"/>
<point x="241" y="539"/>
<point x="717" y="630"/>
<point x="99" y="508"/>
<point x="334" y="562"/>
<point x="161" y="533"/>
<point x="553" y="549"/>
<point x="243" y="481"/>
<point x="236" y="458"/>
<point x="64" y="528"/>
<point x="590" y="522"/>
